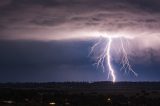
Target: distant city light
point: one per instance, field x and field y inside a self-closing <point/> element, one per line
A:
<point x="52" y="103"/>
<point x="9" y="102"/>
<point x="67" y="103"/>
<point x="108" y="99"/>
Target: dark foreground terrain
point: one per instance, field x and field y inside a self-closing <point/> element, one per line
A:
<point x="80" y="94"/>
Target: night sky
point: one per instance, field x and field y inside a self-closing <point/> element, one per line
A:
<point x="50" y="40"/>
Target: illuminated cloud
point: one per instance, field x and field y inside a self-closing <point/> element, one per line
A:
<point x="81" y="19"/>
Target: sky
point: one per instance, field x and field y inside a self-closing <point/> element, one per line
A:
<point x="50" y="40"/>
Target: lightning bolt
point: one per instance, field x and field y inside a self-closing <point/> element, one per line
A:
<point x="105" y="56"/>
<point x="111" y="70"/>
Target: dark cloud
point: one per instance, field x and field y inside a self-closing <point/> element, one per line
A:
<point x="4" y="2"/>
<point x="151" y="6"/>
<point x="26" y="19"/>
<point x="48" y="21"/>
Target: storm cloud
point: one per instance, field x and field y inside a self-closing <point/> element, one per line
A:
<point x="64" y="19"/>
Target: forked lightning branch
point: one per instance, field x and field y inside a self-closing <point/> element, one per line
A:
<point x="104" y="58"/>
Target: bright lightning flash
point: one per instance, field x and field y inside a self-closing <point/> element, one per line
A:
<point x="105" y="56"/>
<point x="111" y="70"/>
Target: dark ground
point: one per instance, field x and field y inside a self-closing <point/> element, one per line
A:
<point x="80" y="94"/>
